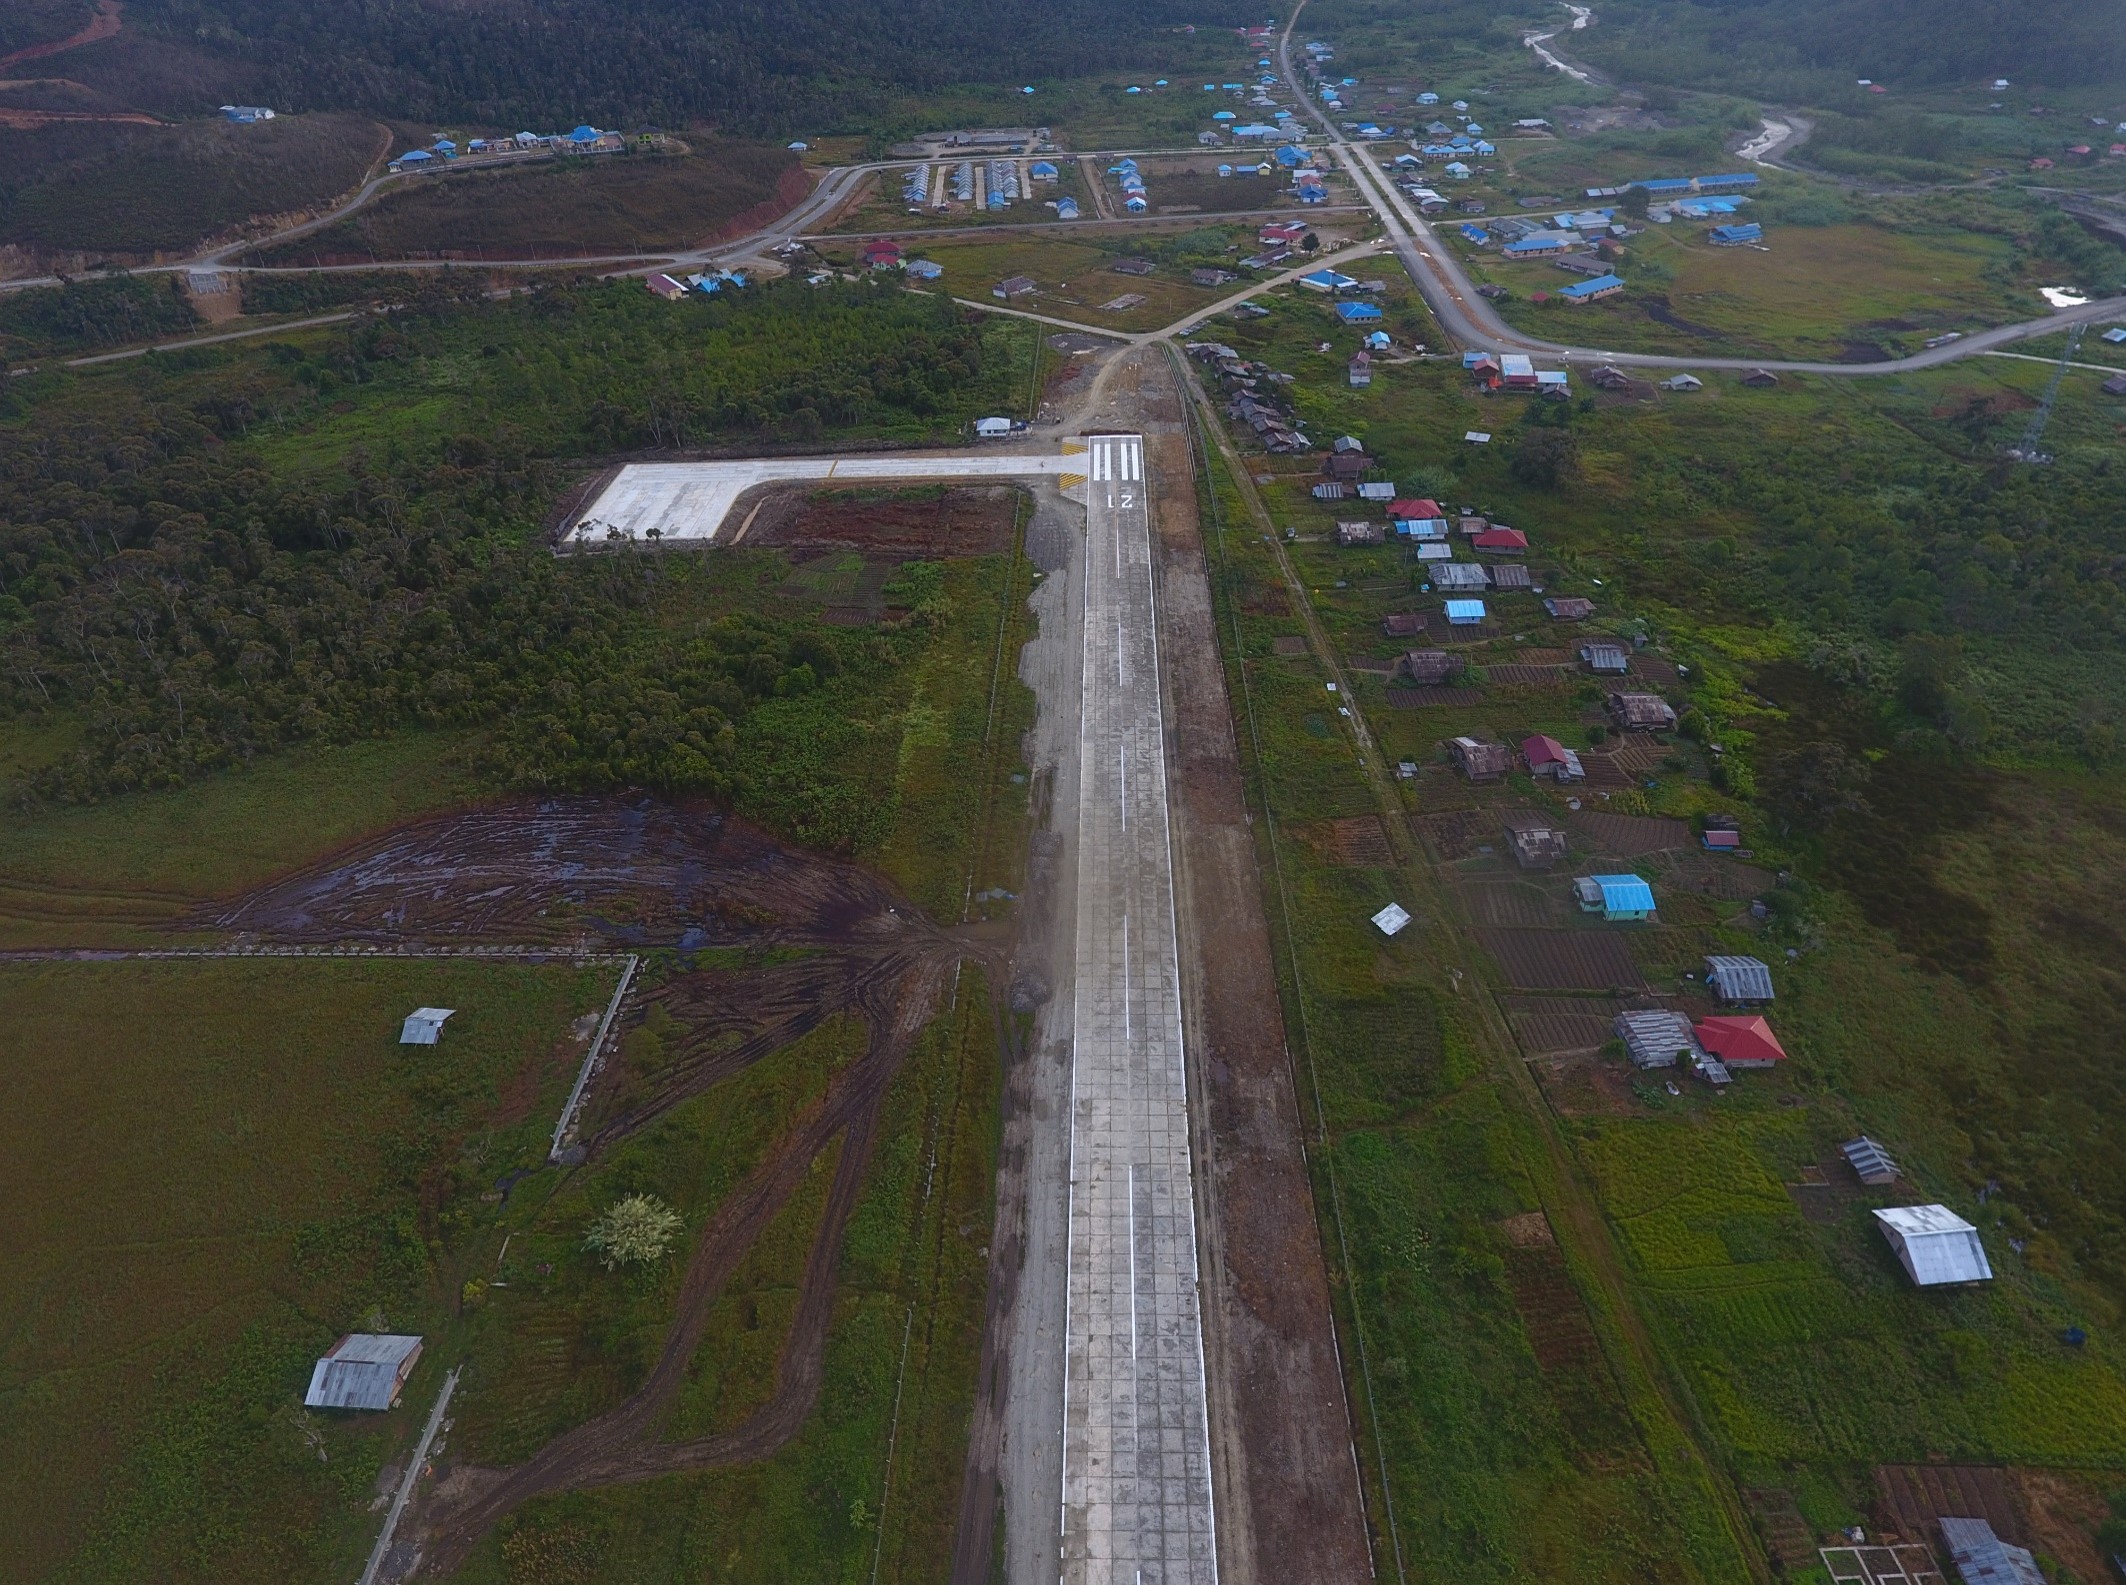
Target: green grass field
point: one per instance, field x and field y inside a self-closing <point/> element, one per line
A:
<point x="214" y="1169"/>
<point x="1834" y="292"/>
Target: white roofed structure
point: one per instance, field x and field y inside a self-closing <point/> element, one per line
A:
<point x="423" y="1026"/>
<point x="1936" y="1247"/>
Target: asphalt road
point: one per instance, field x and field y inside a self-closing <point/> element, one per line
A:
<point x="1136" y="1449"/>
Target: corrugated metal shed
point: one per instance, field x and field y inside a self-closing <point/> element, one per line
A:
<point x="1458" y="575"/>
<point x="1983" y="1558"/>
<point x="1605" y="657"/>
<point x="363" y="1370"/>
<point x="1935" y="1246"/>
<point x="1870" y="1160"/>
<point x="1736" y="979"/>
<point x="1658" y="1038"/>
<point x="423" y="1025"/>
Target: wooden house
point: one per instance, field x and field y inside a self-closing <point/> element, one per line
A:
<point x="1479" y="761"/>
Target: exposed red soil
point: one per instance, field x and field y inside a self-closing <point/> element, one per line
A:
<point x="1270" y="1337"/>
<point x="972" y="521"/>
<point x="105" y="24"/>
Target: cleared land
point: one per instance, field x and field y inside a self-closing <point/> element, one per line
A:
<point x="615" y="203"/>
<point x="1838" y="292"/>
<point x="130" y="191"/>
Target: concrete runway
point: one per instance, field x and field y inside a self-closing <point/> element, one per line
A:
<point x="691" y="500"/>
<point x="1136" y="1454"/>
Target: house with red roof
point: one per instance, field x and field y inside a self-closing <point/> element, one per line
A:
<point x="1741" y="1042"/>
<point x="881" y="255"/>
<point x="1505" y="539"/>
<point x="1546" y="756"/>
<point x="1423" y="506"/>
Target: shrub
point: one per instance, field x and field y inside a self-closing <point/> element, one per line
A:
<point x="635" y="1231"/>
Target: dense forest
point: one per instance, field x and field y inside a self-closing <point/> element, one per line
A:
<point x="811" y="64"/>
<point x="218" y="555"/>
<point x="1795" y="49"/>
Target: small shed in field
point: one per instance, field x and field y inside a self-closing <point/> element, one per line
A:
<point x="1479" y="761"/>
<point x="1403" y="624"/>
<point x="1658" y="1038"/>
<point x="1738" y="981"/>
<point x="1874" y="1164"/>
<point x="1431" y="667"/>
<point x="1937" y="1248"/>
<point x="424" y="1026"/>
<point x="1569" y="608"/>
<point x="1604" y="657"/>
<point x="1614" y="897"/>
<point x="1538" y="840"/>
<point x="1641" y="712"/>
<point x="363" y="1370"/>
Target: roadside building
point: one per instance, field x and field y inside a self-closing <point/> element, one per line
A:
<point x="1569" y="608"/>
<point x="363" y="1370"/>
<point x="1601" y="656"/>
<point x="1327" y="281"/>
<point x="2115" y="386"/>
<point x="1641" y="712"/>
<point x="424" y="1026"/>
<point x="1870" y="1161"/>
<point x="1591" y="291"/>
<point x="1760" y="378"/>
<point x="1615" y="897"/>
<point x="1610" y="378"/>
<point x="1683" y="382"/>
<point x="1657" y="1038"/>
<point x="1013" y="286"/>
<point x="1937" y="1248"/>
<point x="1430" y="668"/>
<point x="1358" y="313"/>
<point x="1209" y="277"/>
<point x="1739" y="981"/>
<point x="924" y="270"/>
<point x="881" y="255"/>
<point x="1536" y="839"/>
<point x="1546" y="756"/>
<point x="1741" y="1041"/>
<point x="1479" y="761"/>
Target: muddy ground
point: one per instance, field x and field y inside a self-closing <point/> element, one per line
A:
<point x="929" y="523"/>
<point x="609" y="871"/>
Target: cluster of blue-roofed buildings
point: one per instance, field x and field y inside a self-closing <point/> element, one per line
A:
<point x="443" y="151"/>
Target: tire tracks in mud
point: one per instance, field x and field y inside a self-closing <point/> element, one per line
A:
<point x="620" y="1446"/>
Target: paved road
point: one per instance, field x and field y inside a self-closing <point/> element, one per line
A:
<point x="1470" y="320"/>
<point x="1136" y="1449"/>
<point x="688" y="501"/>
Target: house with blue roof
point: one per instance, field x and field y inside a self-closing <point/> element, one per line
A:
<point x="1457" y="170"/>
<point x="1465" y="613"/>
<point x="1476" y="234"/>
<point x="1358" y="313"/>
<point x="1589" y="291"/>
<point x="1735" y="236"/>
<point x="1042" y="171"/>
<point x="1483" y="148"/>
<point x="1327" y="281"/>
<point x="1617" y="898"/>
<point x="1542" y="245"/>
<point x="1428" y="98"/>
<point x="1291" y="157"/>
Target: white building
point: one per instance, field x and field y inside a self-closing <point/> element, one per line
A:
<point x="1936" y="1247"/>
<point x="423" y="1026"/>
